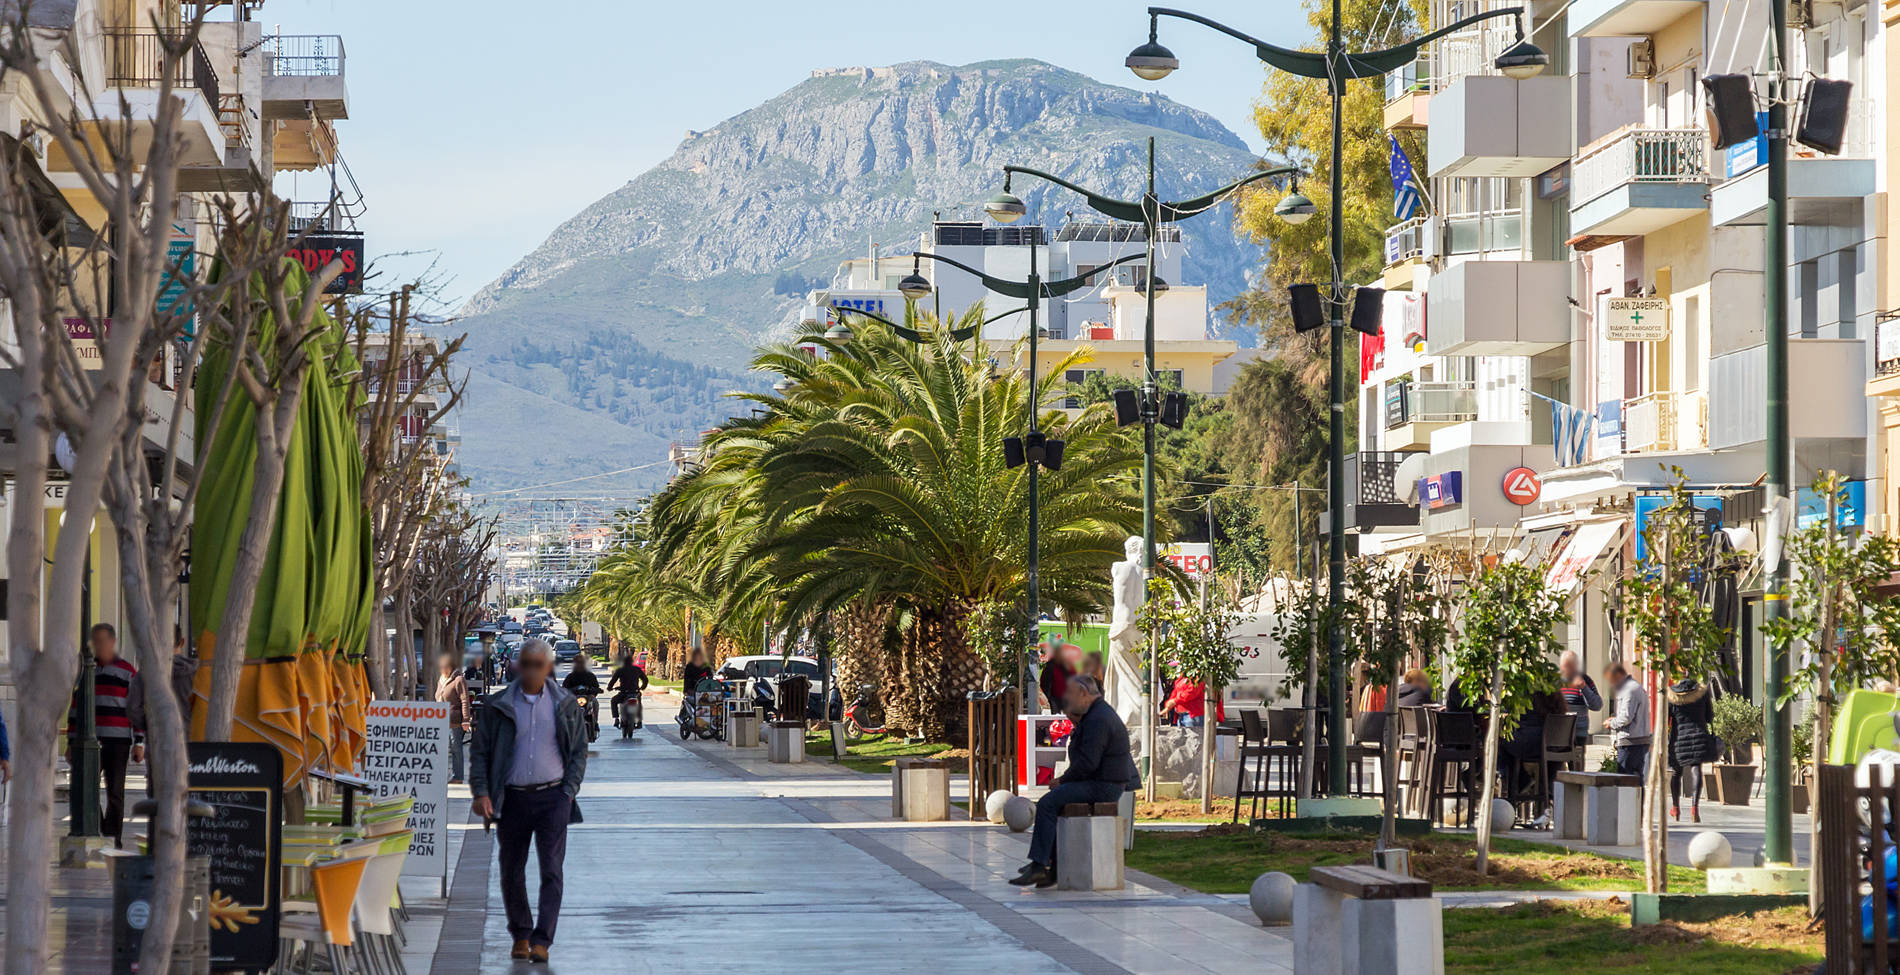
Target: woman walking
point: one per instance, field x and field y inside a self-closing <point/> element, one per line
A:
<point x="1691" y="744"/>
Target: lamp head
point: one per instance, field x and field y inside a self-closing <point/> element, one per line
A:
<point x="1158" y="284"/>
<point x="1295" y="208"/>
<point x="914" y="286"/>
<point x="1005" y="207"/>
<point x="783" y="386"/>
<point x="838" y="333"/>
<point x="1152" y="61"/>
<point x="1522" y="60"/>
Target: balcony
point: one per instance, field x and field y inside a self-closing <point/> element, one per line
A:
<point x="1414" y="411"/>
<point x="1638" y="181"/>
<point x="135" y="69"/>
<point x="304" y="77"/>
<point x="1649" y="423"/>
<point x="1886" y="381"/>
<point x="1408" y="91"/>
<point x="1497" y="126"/>
<point x="1372" y="499"/>
<point x="1407" y="247"/>
<point x="1826" y="191"/>
<point x="1491" y="232"/>
<point x="236" y="172"/>
<point x="1498" y="308"/>
<point x="1828" y="377"/>
<point x="1628" y="18"/>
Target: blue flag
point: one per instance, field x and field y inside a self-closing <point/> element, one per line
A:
<point x="1406" y="199"/>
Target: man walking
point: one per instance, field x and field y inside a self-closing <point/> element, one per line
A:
<point x="1628" y="721"/>
<point x="451" y="688"/>
<point x="525" y="769"/>
<point x="1101" y="768"/>
<point x="115" y="685"/>
<point x="1580" y="692"/>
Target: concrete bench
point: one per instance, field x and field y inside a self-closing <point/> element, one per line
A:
<point x="1358" y="920"/>
<point x="785" y="742"/>
<point x="742" y="727"/>
<point x="922" y="787"/>
<point x="1598" y="808"/>
<point x="1089" y="846"/>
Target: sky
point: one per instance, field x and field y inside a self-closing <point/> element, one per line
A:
<point x="477" y="126"/>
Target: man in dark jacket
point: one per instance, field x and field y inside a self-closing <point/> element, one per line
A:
<point x="1101" y="768"/>
<point x="525" y="768"/>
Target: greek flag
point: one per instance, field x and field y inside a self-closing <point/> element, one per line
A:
<point x="1570" y="430"/>
<point x="1405" y="196"/>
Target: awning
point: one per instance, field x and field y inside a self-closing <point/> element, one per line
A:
<point x="1587" y="544"/>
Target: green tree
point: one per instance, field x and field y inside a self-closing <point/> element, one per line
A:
<point x="1190" y="640"/>
<point x="1506" y="652"/>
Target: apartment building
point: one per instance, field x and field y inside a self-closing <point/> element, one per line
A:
<point x="1580" y="312"/>
<point x="1109" y="317"/>
<point x="254" y="105"/>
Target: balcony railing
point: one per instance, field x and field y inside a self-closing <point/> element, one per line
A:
<point x="1470" y="52"/>
<point x="1442" y="402"/>
<point x="135" y="58"/>
<point x="1405" y="242"/>
<point x="1495" y="230"/>
<point x="1649" y="423"/>
<point x="1410" y="79"/>
<point x="1641" y="156"/>
<point x="1887" y="346"/>
<point x="304" y="55"/>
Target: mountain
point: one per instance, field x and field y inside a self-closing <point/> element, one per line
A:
<point x="620" y="333"/>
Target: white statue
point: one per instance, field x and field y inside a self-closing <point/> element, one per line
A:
<point x="1130" y="592"/>
<point x="1124" y="687"/>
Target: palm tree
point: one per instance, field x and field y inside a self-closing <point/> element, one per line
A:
<point x="876" y="481"/>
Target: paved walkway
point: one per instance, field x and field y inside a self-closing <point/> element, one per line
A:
<point x="697" y="854"/>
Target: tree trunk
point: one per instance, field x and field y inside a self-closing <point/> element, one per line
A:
<point x="1489" y="789"/>
<point x="378" y="669"/>
<point x="233" y="634"/>
<point x="1389" y="757"/>
<point x="167" y="769"/>
<point x="43" y="681"/>
<point x="1655" y="819"/>
<point x="1208" y="710"/>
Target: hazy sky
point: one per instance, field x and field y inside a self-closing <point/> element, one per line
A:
<point x="477" y="126"/>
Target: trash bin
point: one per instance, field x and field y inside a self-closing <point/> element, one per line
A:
<point x="132" y="883"/>
<point x="793" y="698"/>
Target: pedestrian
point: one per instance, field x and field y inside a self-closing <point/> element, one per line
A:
<point x="451" y="688"/>
<point x="627" y="681"/>
<point x="1628" y="721"/>
<point x="6" y="752"/>
<point x="183" y="668"/>
<point x="1580" y="692"/>
<point x="1058" y="665"/>
<point x="1186" y="706"/>
<point x="1691" y="744"/>
<point x="1094" y="665"/>
<point x="1416" y="690"/>
<point x="1101" y="768"/>
<point x="525" y="770"/>
<point x="115" y="685"/>
<point x="696" y="671"/>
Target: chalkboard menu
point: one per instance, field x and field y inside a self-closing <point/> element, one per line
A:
<point x="243" y="782"/>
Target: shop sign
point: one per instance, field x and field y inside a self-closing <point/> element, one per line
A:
<point x="1442" y="490"/>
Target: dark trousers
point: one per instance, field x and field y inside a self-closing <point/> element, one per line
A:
<point x="1632" y="759"/>
<point x="541" y="817"/>
<point x="1042" y="844"/>
<point x="114" y="753"/>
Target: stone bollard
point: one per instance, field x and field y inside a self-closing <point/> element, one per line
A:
<point x="742" y="728"/>
<point x="785" y="742"/>
<point x="926" y="791"/>
<point x="1089" y="847"/>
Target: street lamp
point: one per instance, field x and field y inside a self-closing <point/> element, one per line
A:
<point x="1151" y="212"/>
<point x="1336" y="66"/>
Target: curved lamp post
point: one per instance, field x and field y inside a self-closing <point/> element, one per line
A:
<point x="1151" y="212"/>
<point x="1336" y="66"/>
<point x="1034" y="448"/>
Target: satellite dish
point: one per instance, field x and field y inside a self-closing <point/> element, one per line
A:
<point x="1405" y="478"/>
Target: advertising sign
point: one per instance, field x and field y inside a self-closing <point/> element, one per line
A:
<point x="1850" y="510"/>
<point x="408" y="753"/>
<point x="181" y="257"/>
<point x="243" y="783"/>
<point x="1522" y="486"/>
<point x="1635" y="319"/>
<point x="315" y="251"/>
<point x="1442" y="490"/>
<point x="1708" y="514"/>
<point x="1196" y="559"/>
<point x="85" y="334"/>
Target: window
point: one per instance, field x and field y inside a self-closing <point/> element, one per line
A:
<point x="1168" y="378"/>
<point x="1077" y="378"/>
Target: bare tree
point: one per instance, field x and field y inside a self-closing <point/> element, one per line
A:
<point x="403" y="483"/>
<point x="454" y="566"/>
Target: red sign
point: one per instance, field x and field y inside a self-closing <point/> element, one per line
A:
<point x="1522" y="485"/>
<point x="316" y="250"/>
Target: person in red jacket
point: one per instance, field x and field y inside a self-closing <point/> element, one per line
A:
<point x="1187" y="706"/>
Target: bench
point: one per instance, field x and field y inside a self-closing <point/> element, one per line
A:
<point x="1089" y="846"/>
<point x="785" y="742"/>
<point x="1598" y="808"/>
<point x="1357" y="919"/>
<point x="920" y="790"/>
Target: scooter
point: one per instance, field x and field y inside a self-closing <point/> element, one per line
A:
<point x="590" y="706"/>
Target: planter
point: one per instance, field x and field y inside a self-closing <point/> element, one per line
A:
<point x="1733" y="784"/>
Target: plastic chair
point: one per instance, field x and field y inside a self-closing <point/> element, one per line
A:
<point x="1285" y="726"/>
<point x="375" y="902"/>
<point x="1251" y="782"/>
<point x="1368" y="742"/>
<point x="1454" y="747"/>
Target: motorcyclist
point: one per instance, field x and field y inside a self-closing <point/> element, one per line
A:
<point x="630" y="679"/>
<point x="581" y="682"/>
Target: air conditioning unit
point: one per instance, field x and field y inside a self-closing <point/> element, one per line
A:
<point x="1429" y="243"/>
<point x="1642" y="59"/>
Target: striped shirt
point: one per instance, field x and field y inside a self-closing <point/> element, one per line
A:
<point x="113" y="685"/>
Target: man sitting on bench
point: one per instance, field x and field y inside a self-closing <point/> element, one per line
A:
<point x="1101" y="768"/>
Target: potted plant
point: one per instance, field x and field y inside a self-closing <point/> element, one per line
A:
<point x="1738" y="724"/>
